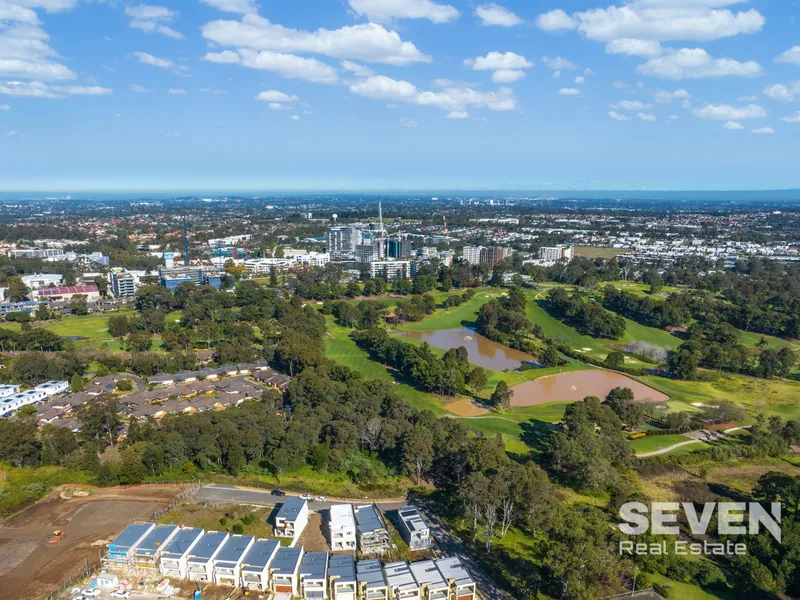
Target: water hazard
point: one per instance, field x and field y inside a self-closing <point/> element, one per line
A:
<point x="576" y="385"/>
<point x="482" y="351"/>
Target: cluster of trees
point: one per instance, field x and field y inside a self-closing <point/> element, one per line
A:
<point x="30" y="339"/>
<point x="447" y="376"/>
<point x="504" y="320"/>
<point x="32" y="368"/>
<point x="716" y="346"/>
<point x="647" y="310"/>
<point x="589" y="318"/>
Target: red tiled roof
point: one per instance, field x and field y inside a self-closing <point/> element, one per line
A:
<point x="71" y="289"/>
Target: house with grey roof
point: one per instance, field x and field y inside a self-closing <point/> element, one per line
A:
<point x="285" y="571"/>
<point x="228" y="561"/>
<point x="256" y="565"/>
<point x="175" y="552"/>
<point x="200" y="562"/>
<point x="148" y="551"/>
<point x="314" y="576"/>
<point x="413" y="528"/>
<point x="402" y="584"/>
<point x="462" y="585"/>
<point x="292" y="518"/>
<point x="372" y="584"/>
<point x="373" y="536"/>
<point x="431" y="583"/>
<point x="342" y="582"/>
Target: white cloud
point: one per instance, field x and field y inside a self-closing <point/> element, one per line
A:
<point x="24" y="48"/>
<point x="781" y="92"/>
<point x="234" y="6"/>
<point x="276" y="96"/>
<point x="630" y="105"/>
<point x="659" y="20"/>
<point x="556" y="75"/>
<point x="507" y="76"/>
<point x="5" y="107"/>
<point x="795" y="118"/>
<point x="139" y="89"/>
<point x="579" y="79"/>
<point x="357" y="69"/>
<point x="213" y="91"/>
<point x="290" y="66"/>
<point x="368" y="42"/>
<point x="411" y="123"/>
<point x="495" y="61"/>
<point x="279" y="106"/>
<point x="494" y="14"/>
<point x="726" y="112"/>
<point x="177" y="92"/>
<point x="39" y="89"/>
<point x="791" y="56"/>
<point x="295" y="117"/>
<point x="672" y="118"/>
<point x="663" y="97"/>
<point x="647" y="117"/>
<point x="696" y="63"/>
<point x="747" y="98"/>
<point x="763" y="131"/>
<point x="558" y="63"/>
<point x="569" y="92"/>
<point x="618" y="116"/>
<point x="620" y="85"/>
<point x="387" y="10"/>
<point x="161" y="63"/>
<point x="151" y="18"/>
<point x="634" y="47"/>
<point x="307" y="113"/>
<point x="555" y="20"/>
<point x="458" y="114"/>
<point x="733" y="126"/>
<point x="450" y="99"/>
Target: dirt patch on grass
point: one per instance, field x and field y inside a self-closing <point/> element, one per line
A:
<point x="744" y="478"/>
<point x="577" y="385"/>
<point x="467" y="408"/>
<point x="32" y="567"/>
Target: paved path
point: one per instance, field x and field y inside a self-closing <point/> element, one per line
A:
<point x="667" y="449"/>
<point x="705" y="436"/>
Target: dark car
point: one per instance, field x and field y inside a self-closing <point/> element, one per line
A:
<point x="278" y="493"/>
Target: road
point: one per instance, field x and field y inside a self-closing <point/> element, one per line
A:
<point x="448" y="543"/>
<point x="702" y="436"/>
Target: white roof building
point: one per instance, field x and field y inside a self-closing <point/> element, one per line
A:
<point x="342" y="527"/>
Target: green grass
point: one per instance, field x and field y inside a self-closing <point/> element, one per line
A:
<point x="656" y="442"/>
<point x="686" y="591"/>
<point x="452" y="318"/>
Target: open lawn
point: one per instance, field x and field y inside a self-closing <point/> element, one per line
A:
<point x="656" y="442"/>
<point x="773" y="397"/>
<point x="452" y="318"/>
<point x="686" y="591"/>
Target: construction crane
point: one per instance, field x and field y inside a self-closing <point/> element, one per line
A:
<point x="382" y="252"/>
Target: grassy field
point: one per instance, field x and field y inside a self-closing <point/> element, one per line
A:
<point x="452" y="318"/>
<point x="686" y="591"/>
<point x="656" y="442"/>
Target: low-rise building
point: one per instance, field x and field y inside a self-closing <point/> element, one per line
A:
<point x="390" y="269"/>
<point x="462" y="585"/>
<point x="342" y="528"/>
<point x="314" y="576"/>
<point x="285" y="571"/>
<point x="430" y="581"/>
<point x="373" y="536"/>
<point x="175" y="554"/>
<point x="292" y="518"/>
<point x="228" y="561"/>
<point x="66" y="293"/>
<point x="200" y="562"/>
<point x="42" y="280"/>
<point x="402" y="584"/>
<point x="342" y="582"/>
<point x="120" y="551"/>
<point x="372" y="584"/>
<point x="147" y="552"/>
<point x="8" y="390"/>
<point x="13" y="403"/>
<point x="51" y="388"/>
<point x="256" y="565"/>
<point x="413" y="528"/>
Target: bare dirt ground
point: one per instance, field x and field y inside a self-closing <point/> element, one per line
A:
<point x="313" y="536"/>
<point x="466" y="408"/>
<point x="30" y="567"/>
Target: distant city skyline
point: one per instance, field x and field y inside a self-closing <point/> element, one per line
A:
<point x="381" y="95"/>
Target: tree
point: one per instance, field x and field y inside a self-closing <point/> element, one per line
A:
<point x="16" y="291"/>
<point x="477" y="379"/>
<point x="418" y="452"/>
<point x="615" y="360"/>
<point x="501" y="397"/>
<point x="118" y="326"/>
<point x="683" y="364"/>
<point x="76" y="384"/>
<point x="79" y="305"/>
<point x="42" y="314"/>
<point x="621" y="401"/>
<point x="273" y="276"/>
<point x="140" y="341"/>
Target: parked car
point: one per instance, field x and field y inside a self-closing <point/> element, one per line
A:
<point x="124" y="594"/>
<point x="305" y="496"/>
<point x="92" y="592"/>
<point x="320" y="499"/>
<point x="278" y="493"/>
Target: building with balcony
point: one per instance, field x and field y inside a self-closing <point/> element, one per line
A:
<point x="148" y="551"/>
<point x="342" y="528"/>
<point x="256" y="565"/>
<point x="200" y="562"/>
<point x="372" y="584"/>
<point x="461" y="584"/>
<point x="342" y="582"/>
<point x="285" y="571"/>
<point x="175" y="553"/>
<point x="292" y="518"/>
<point x="228" y="561"/>
<point x="413" y="528"/>
<point x="314" y="576"/>
<point x="430" y="581"/>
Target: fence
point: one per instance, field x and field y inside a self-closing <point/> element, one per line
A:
<point x="186" y="495"/>
<point x="89" y="569"/>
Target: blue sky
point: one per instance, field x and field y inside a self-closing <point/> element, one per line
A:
<point x="399" y="94"/>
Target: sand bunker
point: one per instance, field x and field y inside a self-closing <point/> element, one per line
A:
<point x="466" y="408"/>
<point x="576" y="385"/>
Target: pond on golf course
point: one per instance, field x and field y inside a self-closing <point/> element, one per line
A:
<point x="576" y="385"/>
<point x="482" y="351"/>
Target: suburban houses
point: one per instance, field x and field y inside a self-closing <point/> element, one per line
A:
<point x="292" y="518"/>
<point x="342" y="527"/>
<point x="373" y="536"/>
<point x="413" y="528"/>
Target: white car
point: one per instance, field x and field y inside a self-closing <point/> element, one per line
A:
<point x="124" y="594"/>
<point x="305" y="496"/>
<point x="92" y="592"/>
<point x="320" y="499"/>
